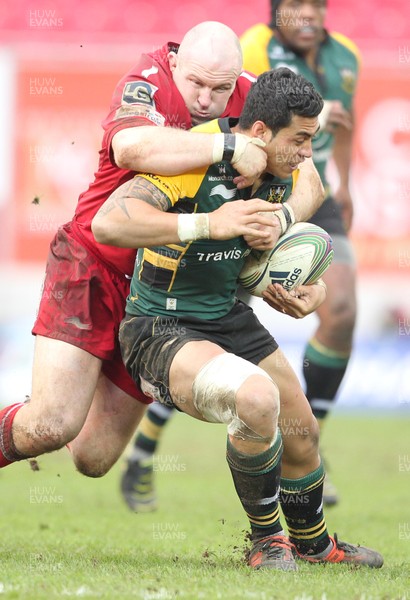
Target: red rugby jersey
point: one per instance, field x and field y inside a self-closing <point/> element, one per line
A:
<point x="147" y="89"/>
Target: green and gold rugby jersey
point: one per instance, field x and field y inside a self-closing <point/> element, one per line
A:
<point x="335" y="76"/>
<point x="198" y="278"/>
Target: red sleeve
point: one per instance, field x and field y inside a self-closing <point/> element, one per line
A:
<point x="146" y="95"/>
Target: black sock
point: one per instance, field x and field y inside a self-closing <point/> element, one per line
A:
<point x="256" y="479"/>
<point x="323" y="370"/>
<point x="150" y="430"/>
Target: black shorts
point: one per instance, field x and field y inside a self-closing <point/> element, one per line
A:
<point x="329" y="217"/>
<point x="149" y="344"/>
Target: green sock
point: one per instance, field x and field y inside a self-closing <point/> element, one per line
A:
<point x="302" y="505"/>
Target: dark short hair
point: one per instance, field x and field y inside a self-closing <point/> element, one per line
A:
<point x="276" y="96"/>
<point x="274" y="5"/>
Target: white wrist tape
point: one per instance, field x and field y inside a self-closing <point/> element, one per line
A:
<point x="241" y="142"/>
<point x="282" y="220"/>
<point x="218" y="149"/>
<point x="321" y="282"/>
<point x="193" y="227"/>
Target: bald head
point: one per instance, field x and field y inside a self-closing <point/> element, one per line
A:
<point x="206" y="68"/>
<point x="212" y="43"/>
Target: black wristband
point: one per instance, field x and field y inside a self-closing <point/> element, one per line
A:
<point x="229" y="146"/>
<point x="287" y="214"/>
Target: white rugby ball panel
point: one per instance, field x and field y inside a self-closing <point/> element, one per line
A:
<point x="301" y="256"/>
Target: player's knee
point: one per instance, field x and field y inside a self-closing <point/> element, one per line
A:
<point x="343" y="311"/>
<point x="91" y="460"/>
<point x="345" y="314"/>
<point x="91" y="468"/>
<point x="341" y="319"/>
<point x="257" y="405"/>
<point x="231" y="390"/>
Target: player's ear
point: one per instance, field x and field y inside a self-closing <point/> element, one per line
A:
<point x="260" y="130"/>
<point x="172" y="60"/>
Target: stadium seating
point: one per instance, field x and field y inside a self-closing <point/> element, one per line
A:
<point x="20" y="19"/>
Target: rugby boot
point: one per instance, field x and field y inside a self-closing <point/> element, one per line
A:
<point x="342" y="552"/>
<point x="137" y="486"/>
<point x="272" y="552"/>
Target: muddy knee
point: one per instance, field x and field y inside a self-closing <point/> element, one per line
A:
<point x="91" y="467"/>
<point x="231" y="390"/>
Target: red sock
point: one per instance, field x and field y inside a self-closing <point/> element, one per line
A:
<point x="8" y="453"/>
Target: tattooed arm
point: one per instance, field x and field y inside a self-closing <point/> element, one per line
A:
<point x="135" y="216"/>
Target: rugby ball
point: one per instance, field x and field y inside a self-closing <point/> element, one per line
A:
<point x="300" y="257"/>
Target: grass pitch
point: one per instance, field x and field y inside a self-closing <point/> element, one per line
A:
<point x="64" y="535"/>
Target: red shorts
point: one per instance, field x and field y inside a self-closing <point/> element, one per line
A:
<point x="83" y="303"/>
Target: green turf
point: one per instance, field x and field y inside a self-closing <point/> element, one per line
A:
<point x="64" y="535"/>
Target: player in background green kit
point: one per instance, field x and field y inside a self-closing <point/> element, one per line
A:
<point x="189" y="342"/>
<point x="296" y="38"/>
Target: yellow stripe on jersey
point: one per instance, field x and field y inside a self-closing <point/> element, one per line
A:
<point x="345" y="41"/>
<point x="184" y="250"/>
<point x="178" y="186"/>
<point x="164" y="262"/>
<point x="159" y="260"/>
<point x="176" y="247"/>
<point x="254" y="43"/>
